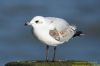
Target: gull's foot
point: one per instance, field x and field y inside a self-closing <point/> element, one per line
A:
<point x="46" y="60"/>
<point x="53" y="60"/>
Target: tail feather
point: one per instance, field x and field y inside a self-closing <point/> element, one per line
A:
<point x="78" y="33"/>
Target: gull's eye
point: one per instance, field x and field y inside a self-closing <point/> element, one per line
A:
<point x="36" y="21"/>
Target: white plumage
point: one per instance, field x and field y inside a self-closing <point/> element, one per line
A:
<point x="45" y="24"/>
<point x="52" y="31"/>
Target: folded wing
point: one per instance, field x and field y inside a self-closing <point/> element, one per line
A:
<point x="63" y="35"/>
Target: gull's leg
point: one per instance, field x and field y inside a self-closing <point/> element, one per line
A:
<point x="47" y="47"/>
<point x="54" y="54"/>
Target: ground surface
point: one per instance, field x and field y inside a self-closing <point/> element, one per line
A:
<point x="50" y="63"/>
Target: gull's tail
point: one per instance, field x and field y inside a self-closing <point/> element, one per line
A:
<point x="78" y="33"/>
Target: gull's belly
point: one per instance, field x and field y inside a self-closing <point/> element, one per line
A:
<point x="47" y="39"/>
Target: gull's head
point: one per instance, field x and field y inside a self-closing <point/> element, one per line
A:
<point x="37" y="21"/>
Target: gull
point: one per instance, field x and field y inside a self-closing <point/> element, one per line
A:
<point x="52" y="31"/>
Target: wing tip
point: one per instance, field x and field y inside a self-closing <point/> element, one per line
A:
<point x="73" y="27"/>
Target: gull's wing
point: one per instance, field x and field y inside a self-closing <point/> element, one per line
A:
<point x="61" y="30"/>
<point x="63" y="35"/>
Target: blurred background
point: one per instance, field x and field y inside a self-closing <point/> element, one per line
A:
<point x="17" y="42"/>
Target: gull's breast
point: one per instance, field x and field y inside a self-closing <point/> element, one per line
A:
<point x="44" y="36"/>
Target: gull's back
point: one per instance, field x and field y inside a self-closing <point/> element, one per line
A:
<point x="58" y="22"/>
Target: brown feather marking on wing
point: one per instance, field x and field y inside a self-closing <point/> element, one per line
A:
<point x="64" y="32"/>
<point x="54" y="33"/>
